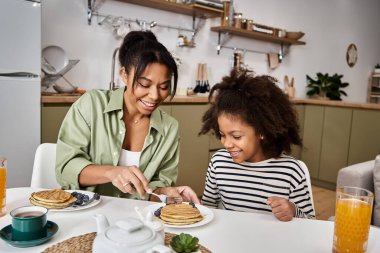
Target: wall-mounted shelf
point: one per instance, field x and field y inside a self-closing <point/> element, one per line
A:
<point x="185" y="9"/>
<point x="255" y="35"/>
<point x="374" y="88"/>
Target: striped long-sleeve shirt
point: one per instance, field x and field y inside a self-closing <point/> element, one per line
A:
<point x="246" y="186"/>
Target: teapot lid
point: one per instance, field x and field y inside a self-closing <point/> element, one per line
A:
<point x="129" y="232"/>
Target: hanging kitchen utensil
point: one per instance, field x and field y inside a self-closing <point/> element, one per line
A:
<point x="203" y="85"/>
<point x="206" y="77"/>
<point x="197" y="88"/>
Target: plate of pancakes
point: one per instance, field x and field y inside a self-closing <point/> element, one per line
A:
<point x="60" y="200"/>
<point x="181" y="215"/>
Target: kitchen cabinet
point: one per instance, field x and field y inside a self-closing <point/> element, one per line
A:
<point x="365" y="136"/>
<point x="194" y="149"/>
<point x="296" y="150"/>
<point x="335" y="142"/>
<point x="52" y="116"/>
<point x="312" y="138"/>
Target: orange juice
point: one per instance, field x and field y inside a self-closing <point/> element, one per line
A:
<point x="3" y="178"/>
<point x="352" y="222"/>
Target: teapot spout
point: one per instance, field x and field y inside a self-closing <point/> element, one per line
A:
<point x="101" y="223"/>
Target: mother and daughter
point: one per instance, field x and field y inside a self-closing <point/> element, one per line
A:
<point x="119" y="143"/>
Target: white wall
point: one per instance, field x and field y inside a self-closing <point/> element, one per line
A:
<point x="330" y="26"/>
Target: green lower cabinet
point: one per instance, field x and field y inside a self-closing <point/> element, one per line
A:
<point x="365" y="136"/>
<point x="335" y="142"/>
<point x="297" y="150"/>
<point x="194" y="149"/>
<point x="312" y="138"/>
<point x="52" y="116"/>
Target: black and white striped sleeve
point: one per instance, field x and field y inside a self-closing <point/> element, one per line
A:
<point x="210" y="195"/>
<point x="300" y="196"/>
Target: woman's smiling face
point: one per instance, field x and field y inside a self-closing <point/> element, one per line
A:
<point x="151" y="89"/>
<point x="240" y="139"/>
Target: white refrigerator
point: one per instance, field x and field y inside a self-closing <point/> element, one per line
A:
<point x="20" y="87"/>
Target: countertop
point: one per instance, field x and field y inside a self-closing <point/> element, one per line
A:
<point x="181" y="99"/>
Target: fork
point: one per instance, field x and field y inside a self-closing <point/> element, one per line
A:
<point x="167" y="199"/>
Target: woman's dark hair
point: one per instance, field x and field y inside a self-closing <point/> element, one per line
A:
<point x="141" y="48"/>
<point x="258" y="101"/>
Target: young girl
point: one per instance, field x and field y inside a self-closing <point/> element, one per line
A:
<point x="257" y="125"/>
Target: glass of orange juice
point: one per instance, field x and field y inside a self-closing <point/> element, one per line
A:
<point x="3" y="180"/>
<point x="353" y="211"/>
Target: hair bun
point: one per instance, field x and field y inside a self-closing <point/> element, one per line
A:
<point x="135" y="37"/>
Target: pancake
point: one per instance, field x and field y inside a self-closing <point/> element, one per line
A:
<point x="52" y="196"/>
<point x="55" y="198"/>
<point x="180" y="214"/>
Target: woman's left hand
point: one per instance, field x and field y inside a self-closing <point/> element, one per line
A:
<point x="185" y="192"/>
<point x="282" y="208"/>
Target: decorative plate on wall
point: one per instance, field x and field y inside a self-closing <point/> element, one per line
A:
<point x="352" y="55"/>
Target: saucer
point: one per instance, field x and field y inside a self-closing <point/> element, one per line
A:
<point x="6" y="235"/>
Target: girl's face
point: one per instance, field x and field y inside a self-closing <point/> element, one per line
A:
<point x="240" y="139"/>
<point x="152" y="88"/>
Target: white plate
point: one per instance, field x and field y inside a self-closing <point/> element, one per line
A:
<point x="207" y="214"/>
<point x="70" y="209"/>
<point x="56" y="57"/>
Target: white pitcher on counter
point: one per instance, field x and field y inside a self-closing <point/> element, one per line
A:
<point x="129" y="235"/>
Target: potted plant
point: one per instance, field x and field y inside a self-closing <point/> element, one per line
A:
<point x="326" y="86"/>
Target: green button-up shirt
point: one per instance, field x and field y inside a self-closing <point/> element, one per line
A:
<point x="93" y="133"/>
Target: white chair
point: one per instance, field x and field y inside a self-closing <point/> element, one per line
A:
<point x="308" y="181"/>
<point x="43" y="175"/>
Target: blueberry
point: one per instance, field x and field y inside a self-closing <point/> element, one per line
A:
<point x="157" y="213"/>
<point x="74" y="194"/>
<point x="96" y="196"/>
<point x="78" y="202"/>
<point x="192" y="204"/>
<point x="86" y="198"/>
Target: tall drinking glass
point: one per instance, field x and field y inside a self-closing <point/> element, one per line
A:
<point x="3" y="180"/>
<point x="352" y="219"/>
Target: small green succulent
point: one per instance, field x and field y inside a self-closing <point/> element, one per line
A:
<point x="184" y="243"/>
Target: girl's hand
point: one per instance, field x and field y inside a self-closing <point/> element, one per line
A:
<point x="129" y="180"/>
<point x="282" y="208"/>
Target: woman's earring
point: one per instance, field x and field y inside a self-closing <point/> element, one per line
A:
<point x="261" y="137"/>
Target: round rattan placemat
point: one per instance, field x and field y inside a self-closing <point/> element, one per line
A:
<point x="83" y="244"/>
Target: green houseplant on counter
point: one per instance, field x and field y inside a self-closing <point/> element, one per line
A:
<point x="326" y="86"/>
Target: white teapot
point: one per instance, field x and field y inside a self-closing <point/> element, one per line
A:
<point x="128" y="236"/>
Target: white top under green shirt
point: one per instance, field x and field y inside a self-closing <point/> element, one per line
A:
<point x="93" y="133"/>
<point x="246" y="186"/>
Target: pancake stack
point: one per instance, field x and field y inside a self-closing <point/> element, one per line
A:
<point x="55" y="198"/>
<point x="180" y="214"/>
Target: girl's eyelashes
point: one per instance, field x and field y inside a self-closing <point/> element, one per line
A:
<point x="237" y="137"/>
<point x="142" y="84"/>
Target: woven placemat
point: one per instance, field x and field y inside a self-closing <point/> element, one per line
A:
<point x="83" y="244"/>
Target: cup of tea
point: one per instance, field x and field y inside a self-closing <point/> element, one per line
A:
<point x="352" y="219"/>
<point x="3" y="185"/>
<point x="29" y="223"/>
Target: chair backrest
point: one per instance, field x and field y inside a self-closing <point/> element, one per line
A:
<point x="43" y="175"/>
<point x="308" y="180"/>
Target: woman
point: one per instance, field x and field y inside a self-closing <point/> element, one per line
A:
<point x="118" y="142"/>
<point x="257" y="126"/>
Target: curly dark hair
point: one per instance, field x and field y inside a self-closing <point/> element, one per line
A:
<point x="258" y="101"/>
<point x="141" y="48"/>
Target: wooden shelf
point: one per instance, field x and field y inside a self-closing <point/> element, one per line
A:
<point x="255" y="35"/>
<point x="185" y="9"/>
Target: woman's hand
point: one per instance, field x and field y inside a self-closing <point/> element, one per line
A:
<point x="185" y="192"/>
<point x="128" y="180"/>
<point x="282" y="208"/>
